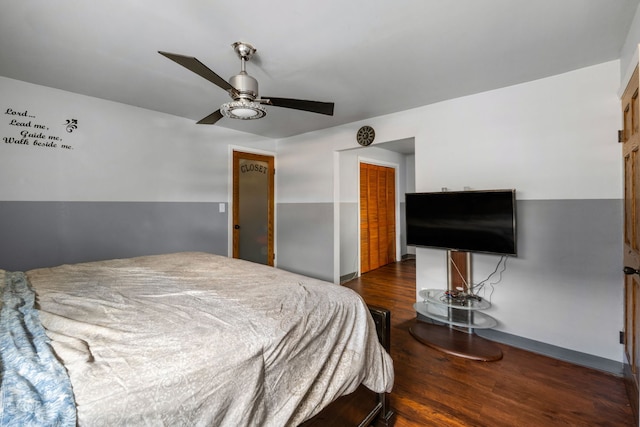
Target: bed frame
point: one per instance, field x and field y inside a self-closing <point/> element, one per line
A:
<point x="363" y="407"/>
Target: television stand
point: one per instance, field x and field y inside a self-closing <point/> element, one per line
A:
<point x="451" y="322"/>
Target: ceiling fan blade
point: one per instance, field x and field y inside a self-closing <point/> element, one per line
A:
<point x="211" y="119"/>
<point x="300" y="104"/>
<point x="192" y="64"/>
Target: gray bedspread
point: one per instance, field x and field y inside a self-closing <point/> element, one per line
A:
<point x="199" y="339"/>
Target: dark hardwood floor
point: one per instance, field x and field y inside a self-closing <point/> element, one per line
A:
<point x="523" y="389"/>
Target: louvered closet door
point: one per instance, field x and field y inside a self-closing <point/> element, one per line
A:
<point x="377" y="216"/>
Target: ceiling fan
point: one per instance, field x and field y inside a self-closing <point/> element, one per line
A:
<point x="243" y="89"/>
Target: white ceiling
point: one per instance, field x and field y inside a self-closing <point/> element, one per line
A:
<point x="370" y="57"/>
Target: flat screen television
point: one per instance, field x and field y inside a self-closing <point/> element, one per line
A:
<point x="471" y="221"/>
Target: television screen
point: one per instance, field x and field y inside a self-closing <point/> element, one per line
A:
<point x="472" y="221"/>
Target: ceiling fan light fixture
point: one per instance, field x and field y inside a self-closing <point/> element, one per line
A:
<point x="243" y="110"/>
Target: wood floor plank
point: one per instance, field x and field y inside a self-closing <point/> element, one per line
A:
<point x="522" y="389"/>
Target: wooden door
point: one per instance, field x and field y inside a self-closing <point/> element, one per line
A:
<point x="253" y="207"/>
<point x="377" y="216"/>
<point x="631" y="159"/>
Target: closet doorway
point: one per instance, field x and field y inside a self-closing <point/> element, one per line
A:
<point x="253" y="207"/>
<point x="377" y="216"/>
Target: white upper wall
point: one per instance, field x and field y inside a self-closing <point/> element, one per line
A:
<point x="554" y="138"/>
<point x="117" y="152"/>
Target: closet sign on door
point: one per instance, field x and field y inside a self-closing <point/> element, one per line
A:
<point x="254" y="167"/>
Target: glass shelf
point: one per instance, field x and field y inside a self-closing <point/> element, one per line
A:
<point x="456" y="316"/>
<point x="438" y="297"/>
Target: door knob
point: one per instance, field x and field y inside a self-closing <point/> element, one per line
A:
<point x="630" y="270"/>
<point x="237" y="227"/>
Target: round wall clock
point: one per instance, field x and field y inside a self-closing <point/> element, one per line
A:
<point x="365" y="135"/>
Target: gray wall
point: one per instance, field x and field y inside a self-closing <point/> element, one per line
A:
<point x="305" y="239"/>
<point x="349" y="223"/>
<point x="560" y="286"/>
<point x="44" y="234"/>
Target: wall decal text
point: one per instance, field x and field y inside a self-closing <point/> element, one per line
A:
<point x="29" y="132"/>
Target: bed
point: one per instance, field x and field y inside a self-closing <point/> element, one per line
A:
<point x="184" y="339"/>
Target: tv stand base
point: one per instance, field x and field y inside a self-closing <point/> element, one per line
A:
<point x="454" y="342"/>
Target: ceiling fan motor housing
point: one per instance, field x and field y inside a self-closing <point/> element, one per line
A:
<point x="245" y="85"/>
